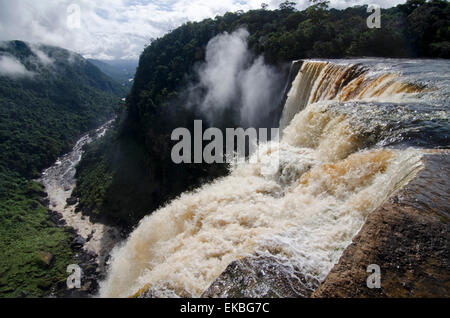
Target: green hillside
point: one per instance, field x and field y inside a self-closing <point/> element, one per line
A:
<point x="122" y="71"/>
<point x="48" y="98"/>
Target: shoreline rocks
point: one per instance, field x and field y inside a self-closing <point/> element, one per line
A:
<point x="92" y="272"/>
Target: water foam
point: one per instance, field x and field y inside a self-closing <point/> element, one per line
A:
<point x="301" y="202"/>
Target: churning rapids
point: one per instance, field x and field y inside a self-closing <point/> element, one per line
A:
<point x="352" y="134"/>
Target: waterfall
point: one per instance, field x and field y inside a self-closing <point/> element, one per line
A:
<point x="321" y="81"/>
<point x="301" y="202"/>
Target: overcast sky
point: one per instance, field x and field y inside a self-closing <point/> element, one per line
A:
<point x="119" y="29"/>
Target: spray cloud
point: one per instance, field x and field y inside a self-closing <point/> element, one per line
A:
<point x="233" y="79"/>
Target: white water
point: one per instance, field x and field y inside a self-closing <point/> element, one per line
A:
<point x="59" y="181"/>
<point x="301" y="203"/>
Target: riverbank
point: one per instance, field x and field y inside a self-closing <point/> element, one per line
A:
<point x="92" y="241"/>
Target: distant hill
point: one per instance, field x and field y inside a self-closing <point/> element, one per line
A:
<point x="122" y="71"/>
<point x="48" y="97"/>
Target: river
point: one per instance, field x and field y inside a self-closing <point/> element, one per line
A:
<point x="59" y="181"/>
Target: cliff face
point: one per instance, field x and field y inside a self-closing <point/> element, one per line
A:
<point x="408" y="237"/>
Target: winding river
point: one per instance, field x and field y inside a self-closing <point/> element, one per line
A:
<point x="59" y="181"/>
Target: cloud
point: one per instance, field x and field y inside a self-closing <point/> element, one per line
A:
<point x="111" y="29"/>
<point x="44" y="59"/>
<point x="11" y="67"/>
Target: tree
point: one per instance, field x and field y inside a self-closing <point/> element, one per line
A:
<point x="320" y="4"/>
<point x="318" y="11"/>
<point x="264" y="6"/>
<point x="288" y="6"/>
<point x="411" y="5"/>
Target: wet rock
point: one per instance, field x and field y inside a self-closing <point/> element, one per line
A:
<point x="72" y="201"/>
<point x="90" y="236"/>
<point x="145" y="293"/>
<point x="44" y="201"/>
<point x="56" y="218"/>
<point x="408" y="237"/>
<point x="78" y="242"/>
<point x="88" y="257"/>
<point x="70" y="230"/>
<point x="260" y="277"/>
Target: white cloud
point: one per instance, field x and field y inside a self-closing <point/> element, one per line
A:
<point x="44" y="59"/>
<point x="11" y="67"/>
<point x="119" y="28"/>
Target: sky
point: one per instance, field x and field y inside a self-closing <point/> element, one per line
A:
<point x="119" y="29"/>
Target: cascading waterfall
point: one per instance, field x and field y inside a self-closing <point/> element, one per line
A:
<point x="303" y="199"/>
<point x="321" y="81"/>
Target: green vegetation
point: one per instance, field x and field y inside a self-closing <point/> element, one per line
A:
<point x="418" y="28"/>
<point x="42" y="114"/>
<point x="95" y="175"/>
<point x="27" y="235"/>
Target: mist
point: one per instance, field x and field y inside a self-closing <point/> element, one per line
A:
<point x="233" y="81"/>
<point x="11" y="67"/>
<point x="43" y="58"/>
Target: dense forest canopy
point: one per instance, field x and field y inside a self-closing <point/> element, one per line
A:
<point x="136" y="156"/>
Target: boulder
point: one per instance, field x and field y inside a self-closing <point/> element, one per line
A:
<point x="72" y="201"/>
<point x="260" y="277"/>
<point x="78" y="242"/>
